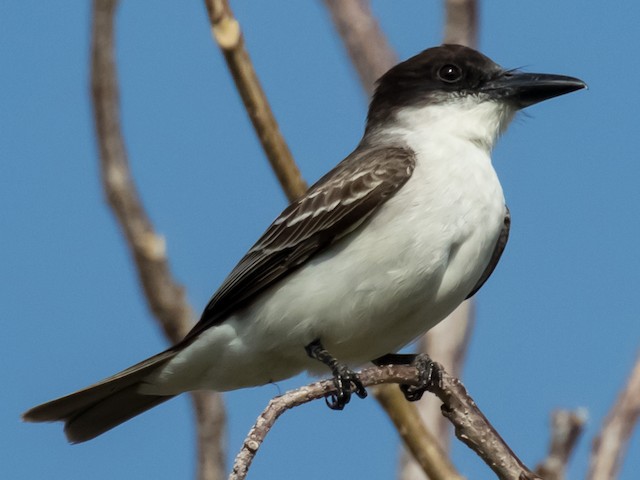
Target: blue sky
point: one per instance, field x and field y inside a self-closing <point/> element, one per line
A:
<point x="557" y="323"/>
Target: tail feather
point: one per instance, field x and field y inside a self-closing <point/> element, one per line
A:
<point x="92" y="411"/>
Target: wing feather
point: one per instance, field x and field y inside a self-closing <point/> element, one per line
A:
<point x="333" y="207"/>
<point x="495" y="257"/>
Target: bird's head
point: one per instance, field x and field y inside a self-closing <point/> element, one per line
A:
<point x="463" y="86"/>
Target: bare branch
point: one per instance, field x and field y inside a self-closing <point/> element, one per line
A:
<point x="211" y="422"/>
<point x="293" y="398"/>
<point x="366" y="45"/>
<point x="610" y="445"/>
<point x="471" y="425"/>
<point x="422" y="444"/>
<point x="566" y="428"/>
<point x="461" y="24"/>
<point x="227" y="33"/>
<point x="165" y="297"/>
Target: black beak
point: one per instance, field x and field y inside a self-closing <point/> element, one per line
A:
<point x="526" y="89"/>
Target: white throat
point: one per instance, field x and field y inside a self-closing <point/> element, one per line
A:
<point x="470" y="118"/>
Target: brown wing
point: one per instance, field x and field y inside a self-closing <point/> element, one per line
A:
<point x="334" y="206"/>
<point x="495" y="257"/>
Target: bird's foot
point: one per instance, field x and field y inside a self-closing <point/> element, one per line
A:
<point x="345" y="380"/>
<point x="429" y="372"/>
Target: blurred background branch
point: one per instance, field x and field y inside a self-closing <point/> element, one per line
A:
<point x="611" y="444"/>
<point x="165" y="297"/>
<point x="366" y="44"/>
<point x="228" y="35"/>
<point x="566" y="429"/>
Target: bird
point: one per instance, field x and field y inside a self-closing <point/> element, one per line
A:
<point x="374" y="254"/>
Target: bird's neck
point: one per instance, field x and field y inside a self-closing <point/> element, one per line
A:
<point x="466" y="119"/>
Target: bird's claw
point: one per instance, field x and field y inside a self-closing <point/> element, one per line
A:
<point x="430" y="375"/>
<point x="347" y="383"/>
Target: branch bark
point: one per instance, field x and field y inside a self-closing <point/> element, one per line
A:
<point x="228" y="35"/>
<point x="471" y="426"/>
<point x="164" y="296"/>
<point x="610" y="445"/>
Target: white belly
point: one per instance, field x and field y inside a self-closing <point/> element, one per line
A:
<point x="410" y="265"/>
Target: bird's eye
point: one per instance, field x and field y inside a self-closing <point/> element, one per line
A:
<point x="450" y="73"/>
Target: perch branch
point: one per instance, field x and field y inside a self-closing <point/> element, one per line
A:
<point x="610" y="445"/>
<point x="471" y="426"/>
<point x="164" y="296"/>
<point x="228" y="35"/>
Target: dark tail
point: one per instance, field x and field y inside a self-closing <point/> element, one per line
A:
<point x="92" y="411"/>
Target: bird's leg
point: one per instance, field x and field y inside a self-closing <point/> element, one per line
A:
<point x="429" y="372"/>
<point x="345" y="380"/>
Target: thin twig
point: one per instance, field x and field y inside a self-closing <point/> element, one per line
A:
<point x="470" y="424"/>
<point x="461" y="23"/>
<point x="227" y="33"/>
<point x="366" y="45"/>
<point x="610" y="445"/>
<point x="164" y="296"/>
<point x="422" y="444"/>
<point x="293" y="398"/>
<point x="566" y="428"/>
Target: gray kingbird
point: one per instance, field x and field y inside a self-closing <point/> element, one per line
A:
<point x="374" y="254"/>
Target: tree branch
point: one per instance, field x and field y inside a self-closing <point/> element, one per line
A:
<point x="461" y="23"/>
<point x="566" y="428"/>
<point x="610" y="445"/>
<point x="211" y="422"/>
<point x="366" y="45"/>
<point x="471" y="426"/>
<point x="164" y="296"/>
<point x="227" y="33"/>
